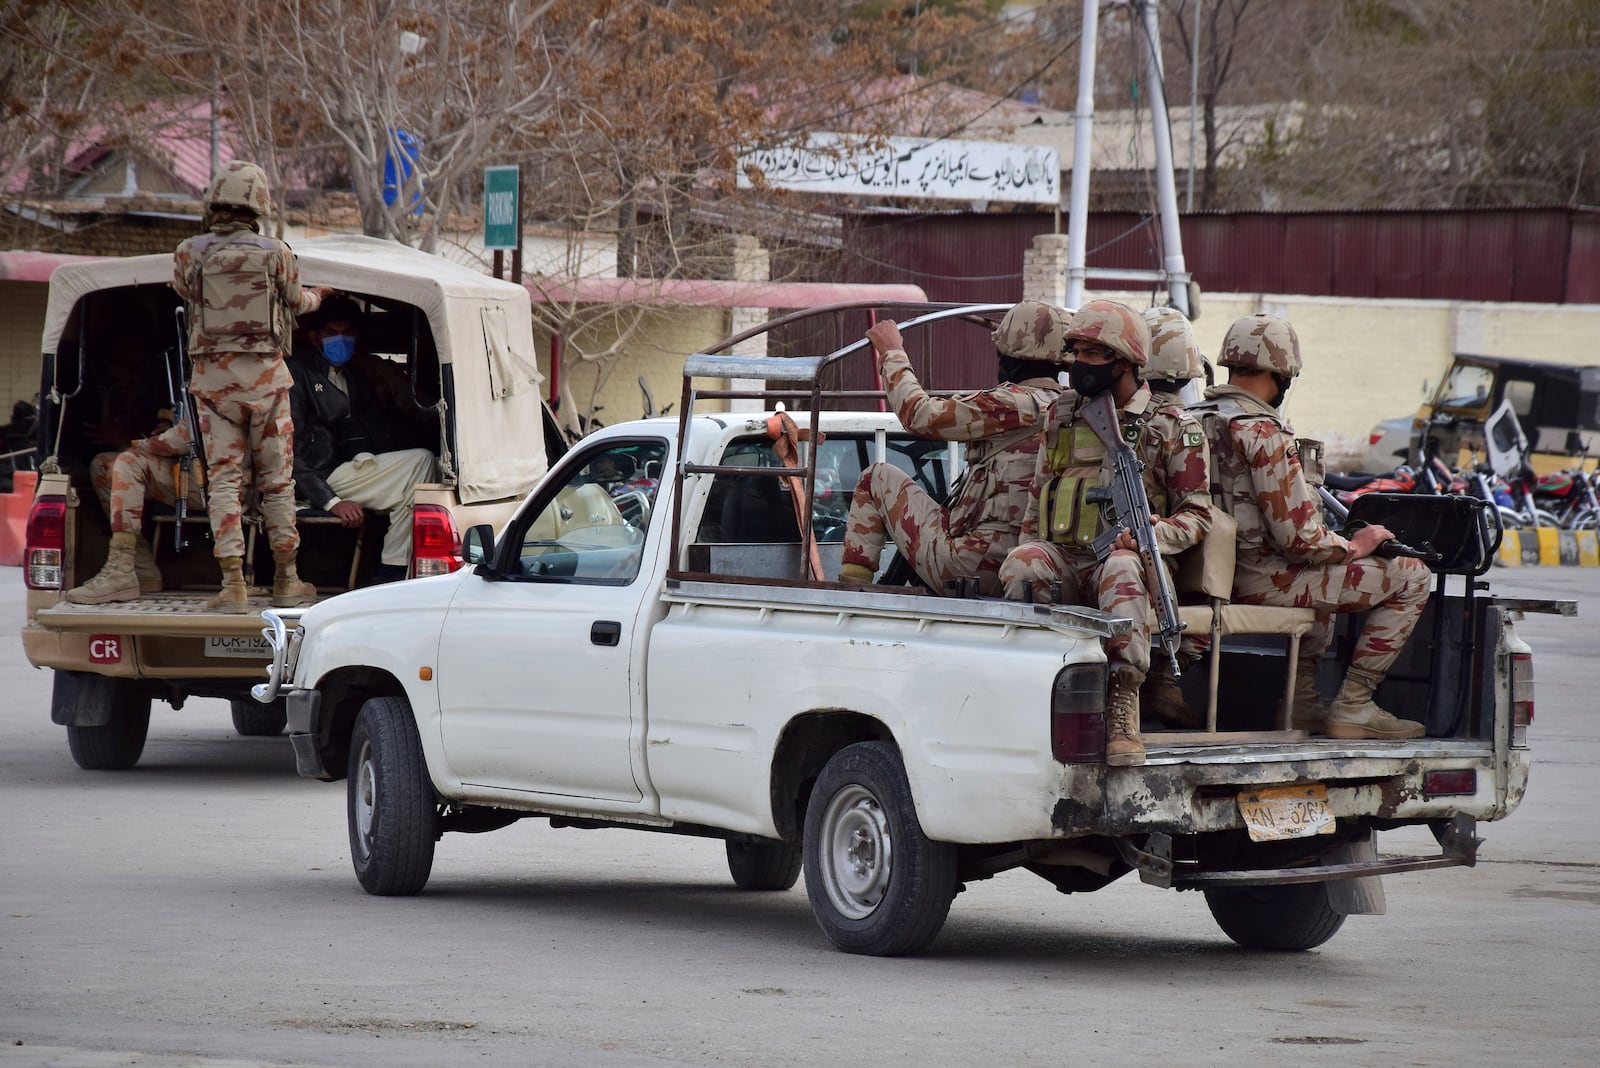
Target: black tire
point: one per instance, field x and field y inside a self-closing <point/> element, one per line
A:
<point x="763" y="865"/>
<point x="877" y="884"/>
<point x="253" y="719"/>
<point x="389" y="802"/>
<point x="117" y="745"/>
<point x="1281" y="918"/>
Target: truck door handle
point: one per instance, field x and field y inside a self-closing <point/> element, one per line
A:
<point x="605" y="632"/>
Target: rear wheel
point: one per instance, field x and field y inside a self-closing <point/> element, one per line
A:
<point x="394" y="821"/>
<point x="1293" y="917"/>
<point x="877" y="884"/>
<point x="763" y="865"/>
<point x="253" y="719"/>
<point x="117" y="742"/>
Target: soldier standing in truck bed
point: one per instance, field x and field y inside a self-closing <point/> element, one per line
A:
<point x="970" y="537"/>
<point x="243" y="292"/>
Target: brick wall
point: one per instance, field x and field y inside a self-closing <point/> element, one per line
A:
<point x="105" y="235"/>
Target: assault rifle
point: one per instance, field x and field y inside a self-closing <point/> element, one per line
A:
<point x="1130" y="511"/>
<point x="184" y="415"/>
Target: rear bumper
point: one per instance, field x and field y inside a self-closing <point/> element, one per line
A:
<point x="1190" y="790"/>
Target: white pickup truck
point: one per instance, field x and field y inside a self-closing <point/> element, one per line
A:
<point x="646" y="646"/>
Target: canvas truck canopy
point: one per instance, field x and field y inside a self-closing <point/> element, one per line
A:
<point x="482" y="329"/>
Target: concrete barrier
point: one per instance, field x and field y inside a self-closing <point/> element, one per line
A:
<point x="1548" y="547"/>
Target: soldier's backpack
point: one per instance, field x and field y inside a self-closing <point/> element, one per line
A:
<point x="238" y="305"/>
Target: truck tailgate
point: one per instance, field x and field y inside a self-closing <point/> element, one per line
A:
<point x="178" y="614"/>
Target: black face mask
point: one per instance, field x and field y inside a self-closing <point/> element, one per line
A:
<point x="1091" y="379"/>
<point x="1015" y="370"/>
<point x="1283" y="390"/>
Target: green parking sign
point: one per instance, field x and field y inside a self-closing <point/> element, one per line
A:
<point x="500" y="207"/>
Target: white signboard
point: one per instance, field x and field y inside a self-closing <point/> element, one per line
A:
<point x="911" y="167"/>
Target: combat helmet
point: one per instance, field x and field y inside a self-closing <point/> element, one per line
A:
<point x="1262" y="343"/>
<point x="1174" y="352"/>
<point x="1033" y="330"/>
<point x="1116" y="326"/>
<point x="239" y="185"/>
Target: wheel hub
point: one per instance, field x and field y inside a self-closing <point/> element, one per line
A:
<point x="859" y="856"/>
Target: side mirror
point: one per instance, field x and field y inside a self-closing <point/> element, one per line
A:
<point x="477" y="548"/>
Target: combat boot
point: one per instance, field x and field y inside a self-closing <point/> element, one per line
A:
<point x="1354" y="715"/>
<point x="1161" y="698"/>
<point x="855" y="574"/>
<point x="1123" y="747"/>
<point x="287" y="589"/>
<point x="116" y="581"/>
<point x="234" y="597"/>
<point x="144" y="567"/>
<point x="1309" y="711"/>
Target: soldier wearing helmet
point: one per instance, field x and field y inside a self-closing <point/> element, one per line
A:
<point x="1110" y="344"/>
<point x="243" y="293"/>
<point x="970" y="537"/>
<point x="1174" y="354"/>
<point x="1286" y="553"/>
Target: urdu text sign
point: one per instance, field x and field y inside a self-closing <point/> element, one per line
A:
<point x="910" y="167"/>
<point x="500" y="208"/>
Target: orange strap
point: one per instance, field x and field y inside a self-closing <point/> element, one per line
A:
<point x="786" y="438"/>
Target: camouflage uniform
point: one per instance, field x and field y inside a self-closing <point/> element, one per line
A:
<point x="125" y="480"/>
<point x="1172" y="447"/>
<point x="1287" y="555"/>
<point x="971" y="537"/>
<point x="240" y="318"/>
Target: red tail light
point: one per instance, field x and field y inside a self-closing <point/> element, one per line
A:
<point x="46" y="549"/>
<point x="1374" y="437"/>
<point x="435" y="542"/>
<point x="1461" y="782"/>
<point x="1077" y="715"/>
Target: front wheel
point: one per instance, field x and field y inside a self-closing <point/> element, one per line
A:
<point x="877" y="884"/>
<point x="1294" y="917"/>
<point x="763" y="865"/>
<point x="394" y="822"/>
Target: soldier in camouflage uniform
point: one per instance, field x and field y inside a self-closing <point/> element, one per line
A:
<point x="1287" y="555"/>
<point x="1110" y="343"/>
<point x="971" y="537"/>
<point x="243" y="291"/>
<point x="1175" y="361"/>
<point x="123" y="481"/>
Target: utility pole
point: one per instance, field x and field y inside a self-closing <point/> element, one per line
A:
<point x="1194" y="96"/>
<point x="1082" y="156"/>
<point x="1166" y="182"/>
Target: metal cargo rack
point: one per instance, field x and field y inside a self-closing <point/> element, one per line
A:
<point x="801" y="378"/>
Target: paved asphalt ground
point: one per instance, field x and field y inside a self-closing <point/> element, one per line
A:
<point x="200" y="911"/>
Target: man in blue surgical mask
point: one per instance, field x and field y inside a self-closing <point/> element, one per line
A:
<point x="351" y="426"/>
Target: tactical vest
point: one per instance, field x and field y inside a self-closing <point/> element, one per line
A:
<point x="997" y="483"/>
<point x="1231" y="487"/>
<point x="1075" y="458"/>
<point x="236" y="307"/>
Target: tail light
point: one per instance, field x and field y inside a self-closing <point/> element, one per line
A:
<point x="435" y="542"/>
<point x="1521" y="693"/>
<point x="1374" y="437"/>
<point x="1459" y="782"/>
<point x="1078" y="715"/>
<point x="46" y="543"/>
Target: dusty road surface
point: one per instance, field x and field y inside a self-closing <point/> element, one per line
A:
<point x="201" y="909"/>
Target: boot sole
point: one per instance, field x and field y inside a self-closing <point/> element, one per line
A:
<point x="1125" y="760"/>
<point x="127" y="593"/>
<point x="293" y="602"/>
<point x="1360" y="732"/>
